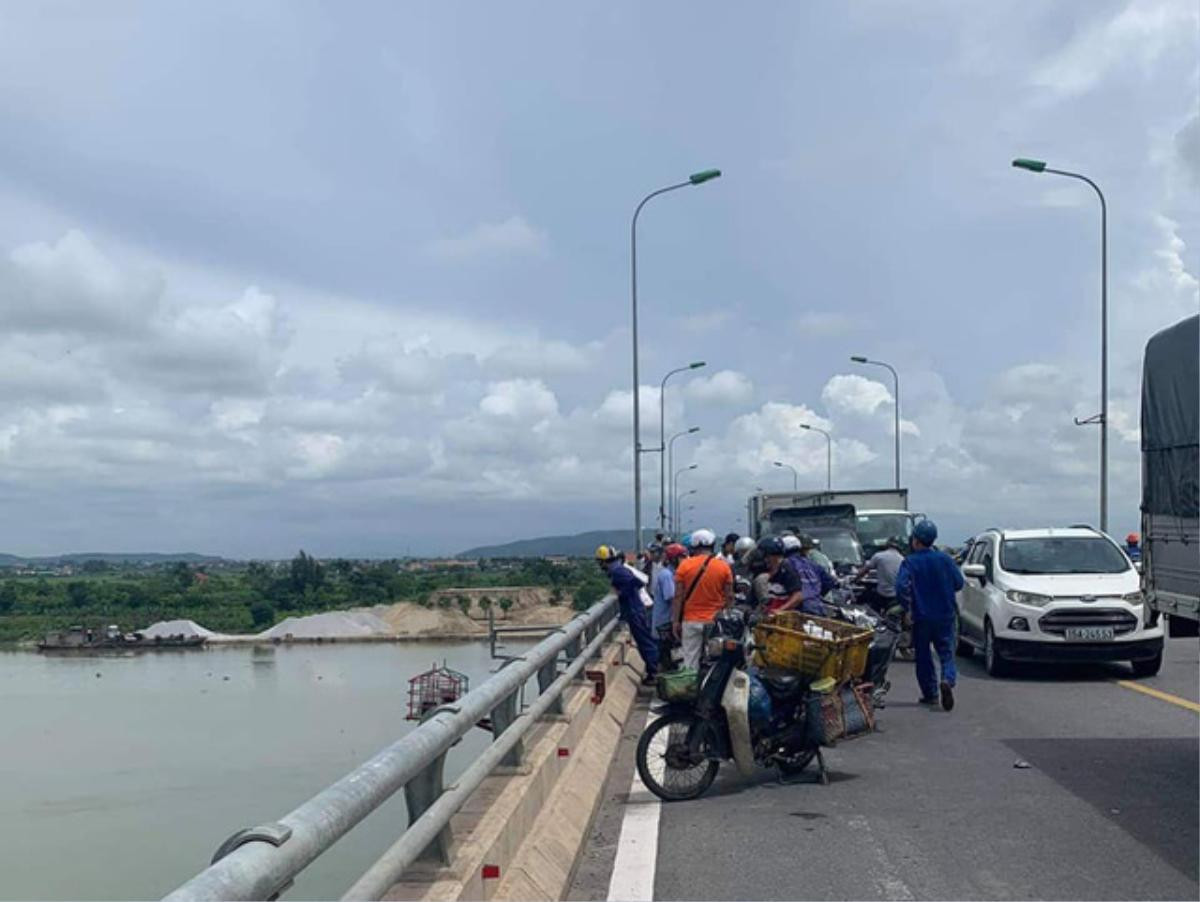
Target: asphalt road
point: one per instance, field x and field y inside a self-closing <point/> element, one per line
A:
<point x="932" y="807"/>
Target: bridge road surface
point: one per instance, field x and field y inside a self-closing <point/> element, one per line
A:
<point x="932" y="807"/>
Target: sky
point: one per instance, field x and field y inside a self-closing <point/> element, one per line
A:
<point x="355" y="278"/>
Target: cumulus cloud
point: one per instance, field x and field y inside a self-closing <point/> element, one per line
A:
<point x="528" y="400"/>
<point x="725" y="387"/>
<point x="855" y="394"/>
<point x="511" y="238"/>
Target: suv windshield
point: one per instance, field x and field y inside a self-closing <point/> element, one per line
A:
<point x="876" y="529"/>
<point x="1084" y="554"/>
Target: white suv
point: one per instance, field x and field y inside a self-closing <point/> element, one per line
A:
<point x="1055" y="595"/>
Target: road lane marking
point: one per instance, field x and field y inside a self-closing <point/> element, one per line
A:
<point x="1160" y="695"/>
<point x="637" y="847"/>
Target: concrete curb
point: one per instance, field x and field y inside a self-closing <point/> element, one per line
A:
<point x="530" y="825"/>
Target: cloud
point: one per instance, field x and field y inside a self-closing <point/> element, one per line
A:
<point x="542" y="357"/>
<point x="1140" y="33"/>
<point x="511" y="238"/>
<point x="726" y="387"/>
<point x="1187" y="148"/>
<point x="855" y="394"/>
<point x="826" y="324"/>
<point x="528" y="400"/>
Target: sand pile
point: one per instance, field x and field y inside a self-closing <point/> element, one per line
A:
<point x="165" y="628"/>
<point x="405" y="619"/>
<point x="330" y="625"/>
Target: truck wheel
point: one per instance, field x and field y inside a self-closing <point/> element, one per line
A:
<point x="993" y="663"/>
<point x="1147" y="668"/>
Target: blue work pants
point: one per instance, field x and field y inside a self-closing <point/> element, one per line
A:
<point x="639" y="626"/>
<point x="939" y="634"/>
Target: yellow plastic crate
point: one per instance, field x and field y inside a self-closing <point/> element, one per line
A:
<point x="781" y="642"/>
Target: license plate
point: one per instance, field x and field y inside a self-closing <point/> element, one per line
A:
<point x="1089" y="633"/>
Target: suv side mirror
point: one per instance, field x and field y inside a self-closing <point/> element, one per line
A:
<point x="976" y="570"/>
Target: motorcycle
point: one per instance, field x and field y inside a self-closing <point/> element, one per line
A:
<point x="680" y="752"/>
<point x="885" y="644"/>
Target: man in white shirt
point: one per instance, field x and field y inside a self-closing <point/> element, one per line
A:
<point x="885" y="565"/>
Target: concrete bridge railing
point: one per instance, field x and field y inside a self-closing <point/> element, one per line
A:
<point x="261" y="862"/>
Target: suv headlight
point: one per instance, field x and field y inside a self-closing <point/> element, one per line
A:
<point x="1029" y="598"/>
<point x="1133" y="598"/>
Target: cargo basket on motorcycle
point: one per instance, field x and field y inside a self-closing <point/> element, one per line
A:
<point x="782" y="642"/>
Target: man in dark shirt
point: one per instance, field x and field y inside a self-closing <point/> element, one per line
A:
<point x="926" y="585"/>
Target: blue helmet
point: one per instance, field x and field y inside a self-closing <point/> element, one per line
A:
<point x="686" y="541"/>
<point x="925" y="532"/>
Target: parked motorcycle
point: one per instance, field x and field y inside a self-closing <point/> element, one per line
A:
<point x="885" y="644"/>
<point x="729" y="719"/>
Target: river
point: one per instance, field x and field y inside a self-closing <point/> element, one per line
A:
<point x="119" y="776"/>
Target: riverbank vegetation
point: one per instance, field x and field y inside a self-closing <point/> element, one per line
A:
<point x="249" y="597"/>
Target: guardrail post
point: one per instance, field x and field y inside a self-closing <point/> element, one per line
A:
<point x="547" y="674"/>
<point x="502" y="717"/>
<point x="419" y="793"/>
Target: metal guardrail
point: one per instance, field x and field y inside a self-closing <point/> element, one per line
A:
<point x="262" y="862"/>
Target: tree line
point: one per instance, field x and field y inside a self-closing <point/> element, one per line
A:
<point x="254" y="596"/>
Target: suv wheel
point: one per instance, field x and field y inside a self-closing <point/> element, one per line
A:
<point x="1147" y="668"/>
<point x="995" y="665"/>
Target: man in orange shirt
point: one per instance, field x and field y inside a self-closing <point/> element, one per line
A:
<point x="703" y="586"/>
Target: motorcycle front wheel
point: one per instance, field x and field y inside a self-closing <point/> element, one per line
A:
<point x="665" y="764"/>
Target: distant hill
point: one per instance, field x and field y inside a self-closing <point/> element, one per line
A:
<point x="133" y="557"/>
<point x="581" y="544"/>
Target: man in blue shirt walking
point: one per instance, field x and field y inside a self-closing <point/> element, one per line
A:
<point x="628" y="584"/>
<point x="925" y="586"/>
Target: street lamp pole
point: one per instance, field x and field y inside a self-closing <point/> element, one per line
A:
<point x="697" y="178"/>
<point x="1102" y="417"/>
<point x="671" y="469"/>
<point x="896" y="393"/>
<point x="795" y="475"/>
<point x="662" y="441"/>
<point x="828" y="453"/>
<point x="675" y="504"/>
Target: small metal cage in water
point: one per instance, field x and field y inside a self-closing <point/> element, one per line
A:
<point x="435" y="687"/>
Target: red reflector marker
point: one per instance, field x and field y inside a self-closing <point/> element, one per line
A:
<point x="491" y="872"/>
<point x="564" y="753"/>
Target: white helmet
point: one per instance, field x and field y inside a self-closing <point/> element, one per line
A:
<point x="790" y="544"/>
<point x="704" y="538"/>
<point x="742" y="545"/>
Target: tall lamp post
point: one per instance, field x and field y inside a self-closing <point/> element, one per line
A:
<point x="671" y="469"/>
<point x="795" y="475"/>
<point x="697" y="178"/>
<point x="1102" y="416"/>
<point x="675" y="504"/>
<point x="828" y="453"/>
<point x="896" y="398"/>
<point x="662" y="441"/>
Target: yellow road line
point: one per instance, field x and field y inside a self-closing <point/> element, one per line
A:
<point x="1161" y="696"/>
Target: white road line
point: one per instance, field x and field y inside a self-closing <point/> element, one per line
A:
<point x="637" y="849"/>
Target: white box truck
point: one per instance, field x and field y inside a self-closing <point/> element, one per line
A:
<point x="880" y="514"/>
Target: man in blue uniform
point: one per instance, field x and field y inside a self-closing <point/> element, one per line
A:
<point x="925" y="586"/>
<point x="628" y="584"/>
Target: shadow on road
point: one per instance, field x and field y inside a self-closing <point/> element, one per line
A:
<point x="1148" y="787"/>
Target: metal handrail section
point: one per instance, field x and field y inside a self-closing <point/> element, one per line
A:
<point x="261" y="862"/>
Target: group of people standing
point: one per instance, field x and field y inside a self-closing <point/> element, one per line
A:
<point x="676" y="590"/>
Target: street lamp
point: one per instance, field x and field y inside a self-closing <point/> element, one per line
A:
<point x="696" y="178"/>
<point x="662" y="441"/>
<point x="675" y="505"/>
<point x="671" y="469"/>
<point x="1102" y="416"/>
<point x="795" y="475"/>
<point x="828" y="453"/>
<point x="896" y="393"/>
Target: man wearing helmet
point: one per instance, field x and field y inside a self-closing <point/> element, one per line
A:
<point x="703" y="586"/>
<point x="627" y="583"/>
<point x="1133" y="547"/>
<point x="727" y="548"/>
<point x="926" y="584"/>
<point x="815" y="581"/>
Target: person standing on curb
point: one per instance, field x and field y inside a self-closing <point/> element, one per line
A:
<point x="628" y="584"/>
<point x="926" y="585"/>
